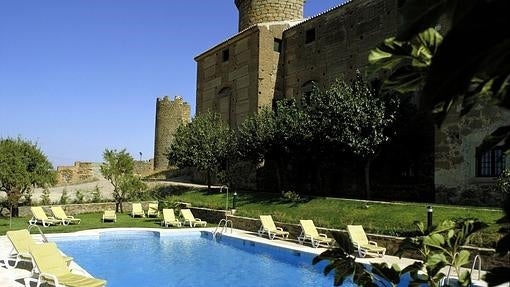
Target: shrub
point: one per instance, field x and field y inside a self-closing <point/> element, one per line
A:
<point x="79" y="197"/>
<point x="96" y="195"/>
<point x="292" y="196"/>
<point x="64" y="198"/>
<point x="45" y="197"/>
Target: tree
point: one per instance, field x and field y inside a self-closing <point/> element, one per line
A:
<point x="23" y="166"/>
<point x="118" y="168"/>
<point x="350" y="117"/>
<point x="274" y="135"/>
<point x="204" y="144"/>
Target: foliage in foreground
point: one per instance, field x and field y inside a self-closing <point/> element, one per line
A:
<point x="23" y="166"/>
<point x="440" y="246"/>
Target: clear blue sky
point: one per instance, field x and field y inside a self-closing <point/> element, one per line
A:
<point x="80" y="76"/>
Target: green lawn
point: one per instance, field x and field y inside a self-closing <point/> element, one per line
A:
<point x="88" y="221"/>
<point x="382" y="218"/>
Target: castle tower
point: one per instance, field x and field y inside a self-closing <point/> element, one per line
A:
<point x="261" y="11"/>
<point x="169" y="116"/>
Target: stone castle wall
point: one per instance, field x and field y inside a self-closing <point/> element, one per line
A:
<point x="169" y="116"/>
<point x="253" y="12"/>
<point x="456" y="143"/>
<point x="79" y="172"/>
<point x="239" y="86"/>
<point x="343" y="38"/>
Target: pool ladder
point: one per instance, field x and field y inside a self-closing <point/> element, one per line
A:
<point x="222" y="227"/>
<point x="446" y="280"/>
<point x="44" y="239"/>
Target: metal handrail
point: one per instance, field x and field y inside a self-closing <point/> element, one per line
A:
<point x="223" y="227"/>
<point x="479" y="259"/>
<point x="44" y="239"/>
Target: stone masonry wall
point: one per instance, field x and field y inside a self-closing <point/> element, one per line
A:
<point x="169" y="116"/>
<point x="228" y="86"/>
<point x="343" y="38"/>
<point x="253" y="12"/>
<point x="456" y="143"/>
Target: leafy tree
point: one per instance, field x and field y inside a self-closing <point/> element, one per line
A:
<point x="204" y="144"/>
<point x="350" y="117"/>
<point x="22" y="167"/>
<point x="118" y="168"/>
<point x="273" y="135"/>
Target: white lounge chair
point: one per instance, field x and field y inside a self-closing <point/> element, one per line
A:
<point x="268" y="226"/>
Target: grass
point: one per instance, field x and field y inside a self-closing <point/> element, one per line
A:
<point x="382" y="218"/>
<point x="88" y="221"/>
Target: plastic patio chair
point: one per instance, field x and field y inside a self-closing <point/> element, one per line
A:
<point x="270" y="228"/>
<point x="309" y="232"/>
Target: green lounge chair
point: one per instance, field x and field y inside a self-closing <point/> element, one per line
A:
<point x="137" y="210"/>
<point x="362" y="244"/>
<point x="109" y="215"/>
<point x="22" y="241"/>
<point x="309" y="232"/>
<point x="169" y="218"/>
<point x="59" y="213"/>
<point x="191" y="220"/>
<point x="153" y="210"/>
<point x="39" y="216"/>
<point x="54" y="270"/>
<point x="271" y="229"/>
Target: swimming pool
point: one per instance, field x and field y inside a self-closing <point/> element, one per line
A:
<point x="145" y="258"/>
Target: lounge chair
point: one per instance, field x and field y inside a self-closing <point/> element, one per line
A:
<point x="169" y="218"/>
<point x="191" y="220"/>
<point x="137" y="210"/>
<point x="309" y="232"/>
<point x="59" y="213"/>
<point x="271" y="229"/>
<point x="22" y="241"/>
<point x="54" y="270"/>
<point x="153" y="210"/>
<point x="362" y="244"/>
<point x="109" y="215"/>
<point x="39" y="216"/>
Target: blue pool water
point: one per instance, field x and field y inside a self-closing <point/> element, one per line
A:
<point x="191" y="259"/>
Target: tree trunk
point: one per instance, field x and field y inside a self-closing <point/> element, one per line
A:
<point x="368" y="194"/>
<point x="117" y="204"/>
<point x="14" y="209"/>
<point x="208" y="181"/>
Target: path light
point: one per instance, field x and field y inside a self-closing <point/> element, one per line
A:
<point x="234" y="200"/>
<point x="429" y="216"/>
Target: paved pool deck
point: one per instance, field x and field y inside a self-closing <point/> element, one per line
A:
<point x="14" y="277"/>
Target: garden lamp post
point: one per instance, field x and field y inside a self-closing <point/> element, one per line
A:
<point x="429" y="216"/>
<point x="234" y="200"/>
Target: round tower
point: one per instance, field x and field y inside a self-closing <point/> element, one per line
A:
<point x="261" y="11"/>
<point x="169" y="116"/>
